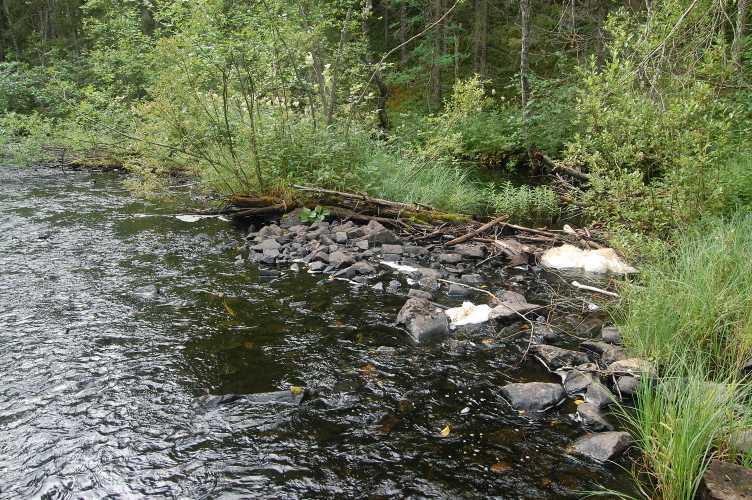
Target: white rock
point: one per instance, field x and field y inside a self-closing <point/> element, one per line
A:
<point x="603" y="260"/>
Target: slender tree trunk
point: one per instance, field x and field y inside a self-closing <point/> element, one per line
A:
<point x="147" y="19"/>
<point x="524" y="64"/>
<point x="402" y="33"/>
<point x="436" y="53"/>
<point x="741" y="31"/>
<point x="378" y="79"/>
<point x="457" y="55"/>
<point x="11" y="28"/>
<point x="386" y="23"/>
<point x="480" y="37"/>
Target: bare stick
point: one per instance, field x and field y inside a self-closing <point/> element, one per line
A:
<point x="579" y="285"/>
<point x="482" y="229"/>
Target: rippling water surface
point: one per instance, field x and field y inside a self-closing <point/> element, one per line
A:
<point x="117" y="320"/>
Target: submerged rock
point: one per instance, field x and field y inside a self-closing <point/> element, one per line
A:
<point x="457" y="290"/>
<point x="602" y="446"/>
<point x="423" y="321"/>
<point x="725" y="481"/>
<point x="555" y="357"/>
<point x="533" y="396"/>
<point x="293" y="396"/>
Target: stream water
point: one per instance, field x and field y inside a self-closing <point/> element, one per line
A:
<point x="116" y="321"/>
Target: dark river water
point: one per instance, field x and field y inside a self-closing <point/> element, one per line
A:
<point x="104" y="381"/>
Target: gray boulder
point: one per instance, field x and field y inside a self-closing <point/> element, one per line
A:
<point x="267" y="244"/>
<point x="450" y="258"/>
<point x="556" y="358"/>
<point x="533" y="396"/>
<point x="591" y="417"/>
<point x="421" y="294"/>
<point x="627" y="385"/>
<point x="471" y="250"/>
<point x="270" y="256"/>
<point x="602" y="446"/>
<point x="599" y="395"/>
<point x="415" y="251"/>
<point x="611" y="334"/>
<point x="340" y="259"/>
<point x="576" y="381"/>
<point x="725" y="481"/>
<point x="393" y="249"/>
<point x="609" y="353"/>
<point x="423" y="321"/>
<point x="632" y="366"/>
<point x="357" y="269"/>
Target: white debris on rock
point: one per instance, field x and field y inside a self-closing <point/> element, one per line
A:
<point x="468" y="314"/>
<point x="603" y="260"/>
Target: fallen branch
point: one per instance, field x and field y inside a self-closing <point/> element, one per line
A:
<point x="472" y="234"/>
<point x="579" y="285"/>
<point x="555" y="166"/>
<point x="364" y="197"/>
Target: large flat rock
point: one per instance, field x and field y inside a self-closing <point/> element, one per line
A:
<point x="726" y="481"/>
<point x="533" y="396"/>
<point x="602" y="446"/>
<point x="423" y="321"/>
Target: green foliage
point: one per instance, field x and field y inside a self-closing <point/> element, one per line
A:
<point x="536" y="203"/>
<point x="473" y="126"/>
<point x="318" y="214"/>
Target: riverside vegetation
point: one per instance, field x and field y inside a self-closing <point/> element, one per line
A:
<point x="633" y="119"/>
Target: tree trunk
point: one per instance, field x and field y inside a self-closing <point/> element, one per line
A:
<point x="436" y="53"/>
<point x="524" y="64"/>
<point x="378" y="80"/>
<point x="480" y="37"/>
<point x="402" y="34"/>
<point x="741" y="31"/>
<point x="147" y="19"/>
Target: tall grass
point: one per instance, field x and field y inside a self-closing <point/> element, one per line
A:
<point x="680" y="424"/>
<point x="698" y="304"/>
<point x="692" y="315"/>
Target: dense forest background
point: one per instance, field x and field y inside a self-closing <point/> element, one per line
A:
<point x="457" y="104"/>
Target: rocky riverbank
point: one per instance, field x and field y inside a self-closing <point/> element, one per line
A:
<point x="594" y="373"/>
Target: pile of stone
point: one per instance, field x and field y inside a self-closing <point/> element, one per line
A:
<point x="595" y="377"/>
<point x="595" y="374"/>
<point x="351" y="251"/>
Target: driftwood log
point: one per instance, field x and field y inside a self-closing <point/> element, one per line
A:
<point x="417" y="222"/>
